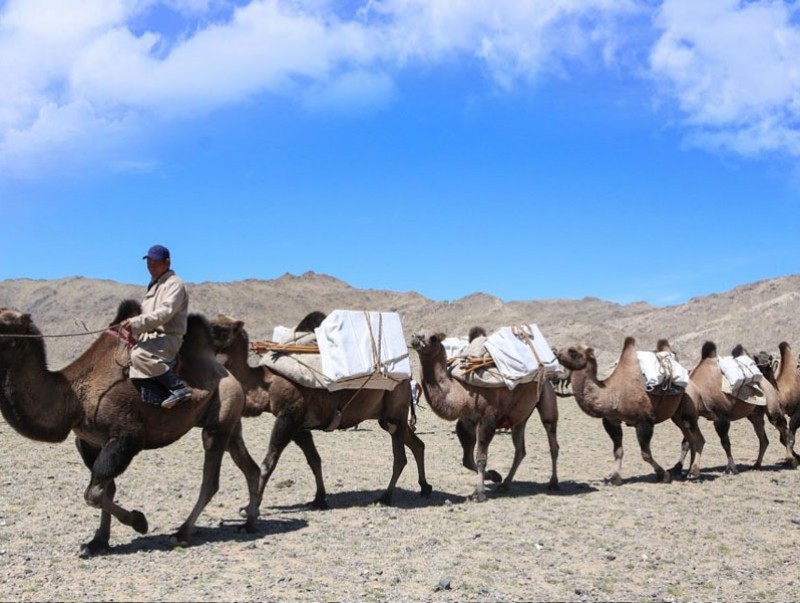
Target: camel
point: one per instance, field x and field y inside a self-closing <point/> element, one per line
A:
<point x="93" y="398"/>
<point x="721" y="408"/>
<point x="480" y="411"/>
<point x="623" y="398"/>
<point x="787" y="387"/>
<point x="298" y="409"/>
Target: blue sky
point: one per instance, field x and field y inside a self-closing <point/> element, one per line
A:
<point x="529" y="149"/>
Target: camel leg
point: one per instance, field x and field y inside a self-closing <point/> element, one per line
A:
<point x="283" y="431"/>
<point x="723" y="425"/>
<point x="614" y="430"/>
<point x="466" y="435"/>
<point x="305" y="440"/>
<point x="214" y="444"/>
<point x="518" y="438"/>
<point x="549" y="419"/>
<point x="644" y="433"/>
<point x="400" y="460"/>
<point x="780" y="423"/>
<point x="692" y="443"/>
<point x="107" y="463"/>
<point x="485" y="432"/>
<point x="757" y="419"/>
<point x="417" y="448"/>
<point x="241" y="457"/>
<point x="794" y="423"/>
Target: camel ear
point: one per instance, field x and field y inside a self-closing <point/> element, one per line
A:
<point x="26" y="320"/>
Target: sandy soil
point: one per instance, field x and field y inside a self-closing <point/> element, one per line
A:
<point x="722" y="538"/>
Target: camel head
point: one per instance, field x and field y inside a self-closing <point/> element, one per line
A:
<point x="13" y="323"/>
<point x="575" y="358"/>
<point x="427" y="341"/>
<point x="225" y="332"/>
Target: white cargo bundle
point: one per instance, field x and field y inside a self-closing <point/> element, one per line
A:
<point x="740" y="371"/>
<point x="519" y="351"/>
<point x="281" y="334"/>
<point x="455" y="346"/>
<point x="658" y="367"/>
<point x="363" y="349"/>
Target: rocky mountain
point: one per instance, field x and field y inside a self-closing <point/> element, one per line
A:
<point x="759" y="315"/>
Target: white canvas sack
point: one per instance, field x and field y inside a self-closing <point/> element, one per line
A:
<point x="281" y="334"/>
<point x="363" y="349"/>
<point x="518" y="352"/>
<point x="740" y="371"/>
<point x="658" y="367"/>
<point x="454" y="346"/>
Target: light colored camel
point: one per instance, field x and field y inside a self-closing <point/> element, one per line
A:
<point x="623" y="398"/>
<point x="298" y="409"/>
<point x="787" y="385"/>
<point x="721" y="408"/>
<point x="93" y="398"/>
<point x="480" y="411"/>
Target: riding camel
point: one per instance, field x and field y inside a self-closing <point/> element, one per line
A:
<point x="299" y="409"/>
<point x="480" y="411"/>
<point x="787" y="386"/>
<point x="722" y="407"/>
<point x="623" y="398"/>
<point x="93" y="398"/>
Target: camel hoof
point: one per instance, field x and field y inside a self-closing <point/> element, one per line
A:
<point x="92" y="548"/>
<point x="385" y="500"/>
<point x="614" y="479"/>
<point x="693" y="474"/>
<point x="139" y="522"/>
<point x="250" y="526"/>
<point x="665" y="478"/>
<point x="478" y="497"/>
<point x="677" y="470"/>
<point x="178" y="541"/>
<point x="553" y="485"/>
<point x="791" y="463"/>
<point x="426" y="490"/>
<point x="319" y="503"/>
<point x="493" y="476"/>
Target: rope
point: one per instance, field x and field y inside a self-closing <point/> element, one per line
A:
<point x="41" y="336"/>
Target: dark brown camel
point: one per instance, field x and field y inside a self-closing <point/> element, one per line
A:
<point x="787" y="386"/>
<point x="298" y="409"/>
<point x="721" y="408"/>
<point x="93" y="398"/>
<point x="480" y="411"/>
<point x="623" y="398"/>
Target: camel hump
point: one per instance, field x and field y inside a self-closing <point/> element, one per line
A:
<point x="126" y="309"/>
<point x="783" y="346"/>
<point x="311" y="321"/>
<point x="630" y="342"/>
<point x="738" y="351"/>
<point x="663" y="346"/>
<point x="476" y="332"/>
<point x="709" y="350"/>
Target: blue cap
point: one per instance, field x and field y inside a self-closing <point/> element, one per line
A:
<point x="157" y="252"/>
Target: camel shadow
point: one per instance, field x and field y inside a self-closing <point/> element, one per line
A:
<point x="402" y="499"/>
<point x="228" y="530"/>
<point x="523" y="488"/>
<point x="722" y="470"/>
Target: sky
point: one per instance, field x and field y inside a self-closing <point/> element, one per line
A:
<point x="629" y="150"/>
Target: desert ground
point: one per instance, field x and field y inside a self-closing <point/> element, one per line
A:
<point x="721" y="537"/>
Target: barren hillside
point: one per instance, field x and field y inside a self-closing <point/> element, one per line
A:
<point x="759" y="315"/>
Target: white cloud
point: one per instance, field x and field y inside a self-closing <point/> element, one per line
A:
<point x="733" y="67"/>
<point x="735" y="70"/>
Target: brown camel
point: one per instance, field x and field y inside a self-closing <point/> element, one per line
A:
<point x="721" y="407"/>
<point x="787" y="386"/>
<point x="93" y="398"/>
<point x="623" y="398"/>
<point x="299" y="409"/>
<point x="480" y="411"/>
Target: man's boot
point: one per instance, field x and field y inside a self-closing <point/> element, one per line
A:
<point x="177" y="389"/>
